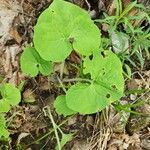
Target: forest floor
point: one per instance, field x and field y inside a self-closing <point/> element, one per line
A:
<point x="30" y="129"/>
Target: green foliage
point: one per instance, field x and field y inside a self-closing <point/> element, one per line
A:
<point x="10" y="97"/>
<point x="134" y="40"/>
<point x="103" y="69"/>
<point x="65" y="138"/>
<point x="65" y="27"/>
<point x="4" y="133"/>
<point x="61" y="107"/>
<point x="87" y="98"/>
<point x="32" y="63"/>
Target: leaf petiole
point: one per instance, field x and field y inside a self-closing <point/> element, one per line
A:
<point x="77" y="80"/>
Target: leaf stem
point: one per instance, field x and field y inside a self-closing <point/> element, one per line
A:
<point x="55" y="128"/>
<point x="61" y="84"/>
<point x="50" y="131"/>
<point x="76" y="80"/>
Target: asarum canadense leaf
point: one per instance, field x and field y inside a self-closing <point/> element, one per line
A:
<point x="61" y="107"/>
<point x="85" y="99"/>
<point x="105" y="69"/>
<point x="64" y="27"/>
<point x="107" y="85"/>
<point x="32" y="63"/>
<point x="10" y="97"/>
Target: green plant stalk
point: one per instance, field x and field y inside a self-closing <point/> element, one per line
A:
<point x="55" y="128"/>
<point x="61" y="84"/>
<point x="126" y="10"/>
<point x="77" y="80"/>
<point x="47" y="134"/>
<point x="118" y="108"/>
<point x="118" y="7"/>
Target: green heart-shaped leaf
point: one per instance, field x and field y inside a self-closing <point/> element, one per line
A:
<point x="106" y="70"/>
<point x="64" y="27"/>
<point x="10" y="97"/>
<point x="107" y="86"/>
<point x="32" y="63"/>
<point x="85" y="99"/>
<point x="61" y="107"/>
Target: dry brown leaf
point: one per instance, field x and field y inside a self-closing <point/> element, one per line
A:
<point x="124" y="142"/>
<point x="11" y="64"/>
<point x="57" y="68"/>
<point x="134" y="84"/>
<point x="21" y="136"/>
<point x="28" y="96"/>
<point x="111" y="6"/>
<point x="145" y="141"/>
<point x="74" y="57"/>
<point x="7" y="16"/>
<point x="105" y="27"/>
<point x="15" y="35"/>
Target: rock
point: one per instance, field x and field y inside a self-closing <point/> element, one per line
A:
<point x="139" y="122"/>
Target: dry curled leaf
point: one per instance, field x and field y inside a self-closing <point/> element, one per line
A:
<point x="15" y="35"/>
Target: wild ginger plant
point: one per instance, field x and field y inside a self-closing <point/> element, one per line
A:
<point x="60" y="29"/>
